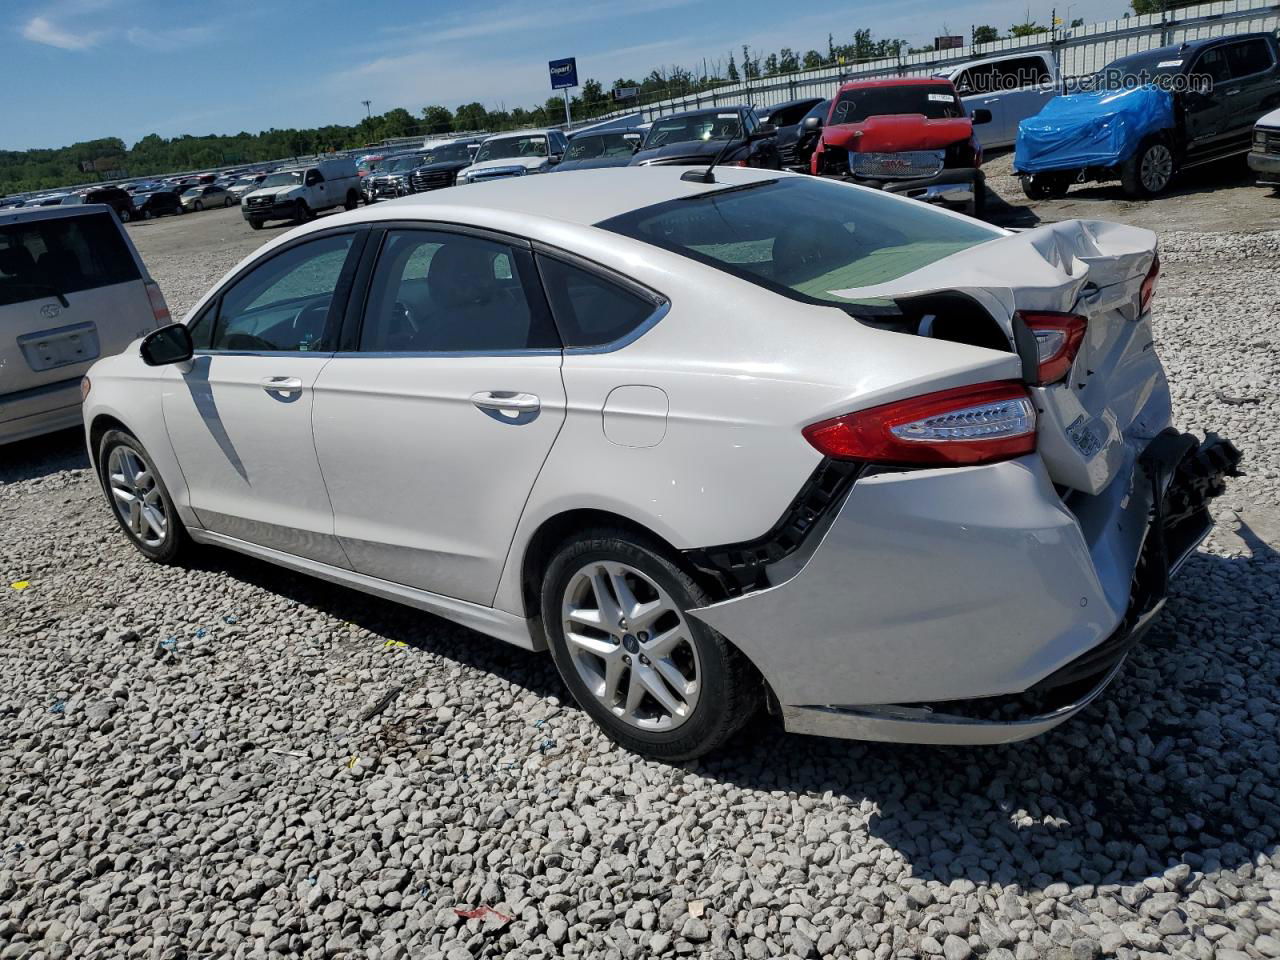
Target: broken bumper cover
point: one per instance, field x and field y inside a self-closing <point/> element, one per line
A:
<point x="909" y="625"/>
<point x="955" y="186"/>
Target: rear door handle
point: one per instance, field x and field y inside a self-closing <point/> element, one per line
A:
<point x="281" y="384"/>
<point x="504" y="401"/>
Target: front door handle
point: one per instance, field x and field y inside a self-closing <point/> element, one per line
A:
<point x="281" y="384"/>
<point x="506" y="402"/>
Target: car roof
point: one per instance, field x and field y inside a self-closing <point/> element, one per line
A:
<point x="532" y="131"/>
<point x="702" y="111"/>
<point x="1185" y="47"/>
<point x="895" y="82"/>
<point x="23" y="214"/>
<point x="522" y="204"/>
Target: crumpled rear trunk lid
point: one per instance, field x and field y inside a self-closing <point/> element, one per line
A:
<point x="1115" y="396"/>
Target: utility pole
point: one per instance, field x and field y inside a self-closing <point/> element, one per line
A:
<point x="368" y="112"/>
<point x="568" y="120"/>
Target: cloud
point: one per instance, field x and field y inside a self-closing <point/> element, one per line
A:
<point x="43" y="30"/>
<point x="163" y="41"/>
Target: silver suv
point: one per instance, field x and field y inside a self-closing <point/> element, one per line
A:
<point x="72" y="289"/>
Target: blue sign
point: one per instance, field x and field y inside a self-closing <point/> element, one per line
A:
<point x="564" y="73"/>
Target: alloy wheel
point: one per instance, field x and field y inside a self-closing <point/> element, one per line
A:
<point x="631" y="645"/>
<point x="136" y="496"/>
<point x="1157" y="168"/>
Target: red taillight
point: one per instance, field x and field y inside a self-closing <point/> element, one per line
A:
<point x="158" y="307"/>
<point x="984" y="423"/>
<point x="1149" y="285"/>
<point x="1058" y="339"/>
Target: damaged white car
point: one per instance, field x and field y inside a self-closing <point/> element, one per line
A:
<point x="757" y="439"/>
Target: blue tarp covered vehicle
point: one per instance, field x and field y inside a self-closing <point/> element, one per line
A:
<point x="1102" y="128"/>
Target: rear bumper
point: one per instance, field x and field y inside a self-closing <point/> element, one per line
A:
<point x="42" y="410"/>
<point x="1267" y="166"/>
<point x="973" y="605"/>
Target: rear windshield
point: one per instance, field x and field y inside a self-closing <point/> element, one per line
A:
<point x="712" y="125"/>
<point x="42" y="258"/>
<point x="933" y="102"/>
<point x="804" y="237"/>
<point x="602" y="145"/>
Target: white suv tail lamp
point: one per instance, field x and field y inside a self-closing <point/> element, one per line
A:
<point x="159" y="308"/>
<point x="965" y="426"/>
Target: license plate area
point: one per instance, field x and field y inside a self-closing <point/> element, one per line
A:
<point x="60" y="347"/>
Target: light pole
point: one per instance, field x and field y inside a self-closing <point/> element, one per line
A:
<point x="367" y="110"/>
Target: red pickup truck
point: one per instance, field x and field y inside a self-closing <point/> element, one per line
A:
<point x="908" y="135"/>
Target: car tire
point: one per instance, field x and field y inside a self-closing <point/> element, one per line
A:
<point x="197" y="205"/>
<point x="179" y="210"/>
<point x="226" y="202"/>
<point x="120" y="454"/>
<point x="352" y="200"/>
<point x="256" y="224"/>
<point x="644" y="712"/>
<point x="977" y="207"/>
<point x="1150" y="170"/>
<point x="301" y="212"/>
<point x="1046" y="186"/>
<point x="125" y="216"/>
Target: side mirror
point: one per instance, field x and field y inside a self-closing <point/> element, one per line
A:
<point x="764" y="132"/>
<point x="980" y="115"/>
<point x="555" y="158"/>
<point x="171" y="344"/>
<point x="811" y="124"/>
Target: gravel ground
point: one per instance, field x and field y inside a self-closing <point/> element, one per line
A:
<point x="232" y="761"/>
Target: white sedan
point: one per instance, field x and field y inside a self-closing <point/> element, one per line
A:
<point x="768" y="439"/>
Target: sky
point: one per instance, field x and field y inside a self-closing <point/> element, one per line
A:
<point x="127" y="68"/>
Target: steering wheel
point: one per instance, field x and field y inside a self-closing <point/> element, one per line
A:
<point x="304" y="319"/>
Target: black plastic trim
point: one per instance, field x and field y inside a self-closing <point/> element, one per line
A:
<point x="740" y="567"/>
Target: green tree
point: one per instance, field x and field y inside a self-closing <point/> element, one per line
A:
<point x="471" y="116"/>
<point x="438" y="119"/>
<point x="985" y="34"/>
<point x="812" y="60"/>
<point x="733" y="70"/>
<point x="771" y="65"/>
<point x="788" y="60"/>
<point x="1027" y="29"/>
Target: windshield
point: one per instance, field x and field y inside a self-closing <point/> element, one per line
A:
<point x="509" y="147"/>
<point x="602" y="145"/>
<point x="368" y="164"/>
<point x="449" y="153"/>
<point x="282" y="179"/>
<point x="697" y="126"/>
<point x="933" y="102"/>
<point x="804" y="237"/>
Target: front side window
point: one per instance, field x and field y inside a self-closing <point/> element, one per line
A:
<point x="934" y="102"/>
<point x="42" y="258"/>
<point x="436" y="292"/>
<point x="281" y="305"/>
<point x="1021" y="72"/>
<point x="589" y="310"/>
<point x="804" y="237"/>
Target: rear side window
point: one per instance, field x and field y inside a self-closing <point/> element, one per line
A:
<point x="1248" y="57"/>
<point x="437" y="292"/>
<point x="804" y="237"/>
<point x="589" y="310"/>
<point x="41" y="258"/>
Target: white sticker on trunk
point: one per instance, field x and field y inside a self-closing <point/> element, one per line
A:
<point x="941" y="98"/>
<point x="1168" y="63"/>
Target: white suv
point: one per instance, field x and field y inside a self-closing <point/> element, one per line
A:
<point x="301" y="193"/>
<point x="516" y="154"/>
<point x="72" y="289"/>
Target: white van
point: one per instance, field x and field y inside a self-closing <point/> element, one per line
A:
<point x="72" y="289"/>
<point x="302" y="192"/>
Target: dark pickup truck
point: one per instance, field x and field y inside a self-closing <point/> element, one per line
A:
<point x="1214" y="91"/>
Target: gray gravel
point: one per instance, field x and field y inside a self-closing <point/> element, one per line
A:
<point x="233" y="761"/>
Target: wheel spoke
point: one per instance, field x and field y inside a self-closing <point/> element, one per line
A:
<point x="154" y="520"/>
<point x="645" y="613"/>
<point x="135" y="516"/>
<point x="627" y="602"/>
<point x="123" y="494"/>
<point x="658" y="689"/>
<point x="671" y="673"/>
<point x="635" y="693"/>
<point x="610" y="613"/>
<point x="587" y="618"/>
<point x="152" y="497"/>
<point x="660" y="647"/>
<point x="600" y="646"/>
<point x="614" y="668"/>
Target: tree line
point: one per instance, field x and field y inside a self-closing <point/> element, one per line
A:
<point x="24" y="171"/>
